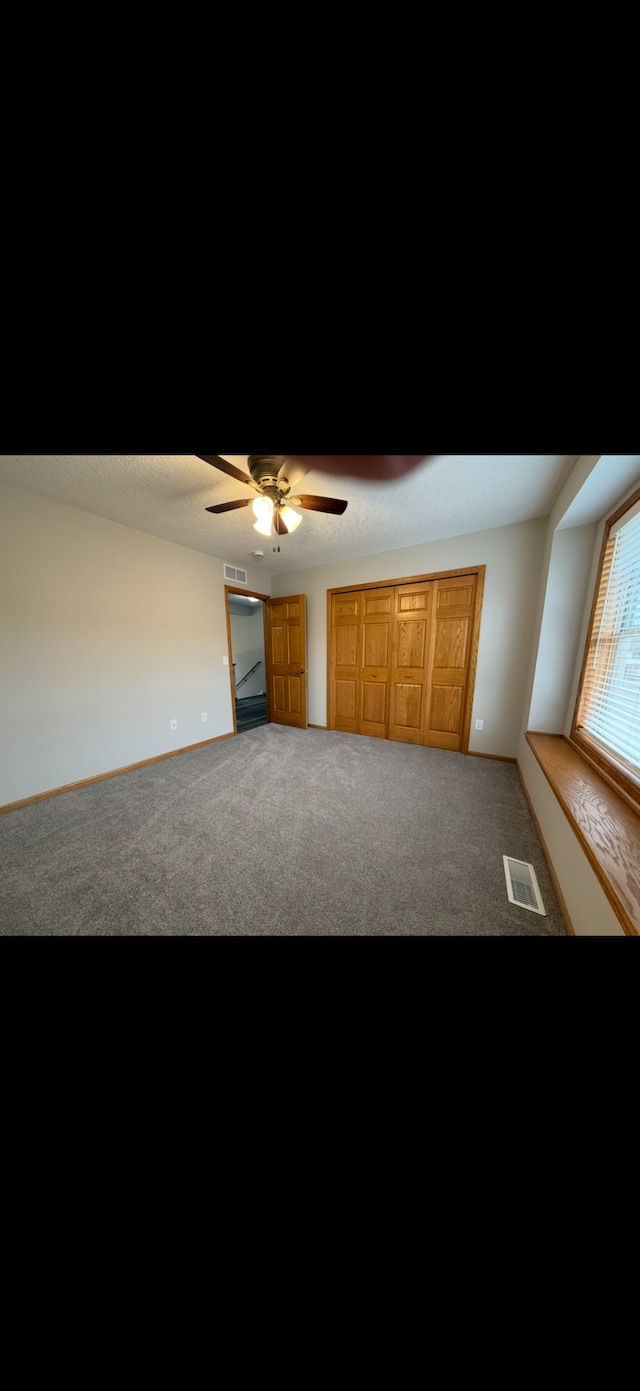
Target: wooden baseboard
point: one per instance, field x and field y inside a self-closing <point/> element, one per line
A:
<point x="571" y="932"/>
<point x="497" y="757"/>
<point x="317" y="726"/>
<point x="114" y="773"/>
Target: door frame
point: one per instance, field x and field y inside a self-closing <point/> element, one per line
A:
<point x="479" y="571"/>
<point x="249" y="594"/>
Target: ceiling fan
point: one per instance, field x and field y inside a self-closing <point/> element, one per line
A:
<point x="273" y="479"/>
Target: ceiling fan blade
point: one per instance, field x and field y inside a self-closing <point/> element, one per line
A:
<point x="230" y="506"/>
<point x="293" y="472"/>
<point x="218" y="462"/>
<point x="321" y="504"/>
<point x="281" y="527"/>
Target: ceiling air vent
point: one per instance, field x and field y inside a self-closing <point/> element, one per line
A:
<point x="236" y="576"/>
<point x="522" y="885"/>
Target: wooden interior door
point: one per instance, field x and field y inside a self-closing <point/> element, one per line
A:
<point x="449" y="660"/>
<point x="375" y="648"/>
<point x="286" y="658"/>
<point x="411" y="648"/>
<point x="346" y="661"/>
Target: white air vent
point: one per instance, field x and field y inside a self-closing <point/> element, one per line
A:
<point x="522" y="885"/>
<point x="236" y="576"/>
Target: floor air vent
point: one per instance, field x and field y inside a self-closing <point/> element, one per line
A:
<point x="522" y="885"/>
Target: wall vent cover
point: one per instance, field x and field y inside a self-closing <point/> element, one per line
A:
<point x="522" y="885"/>
<point x="231" y="572"/>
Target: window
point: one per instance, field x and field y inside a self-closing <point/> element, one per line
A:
<point x="606" y="723"/>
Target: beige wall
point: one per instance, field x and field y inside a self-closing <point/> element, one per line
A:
<point x="513" y="556"/>
<point x="106" y="634"/>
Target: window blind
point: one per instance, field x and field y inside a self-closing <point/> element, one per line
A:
<point x="609" y="709"/>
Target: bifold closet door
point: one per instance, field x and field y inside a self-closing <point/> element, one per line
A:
<point x="375" y="646"/>
<point x="401" y="659"/>
<point x="411" y="647"/>
<point x="361" y="659"/>
<point x="346" y="625"/>
<point x="449" y="660"/>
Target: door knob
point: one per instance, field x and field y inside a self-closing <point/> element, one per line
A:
<point x="301" y="672"/>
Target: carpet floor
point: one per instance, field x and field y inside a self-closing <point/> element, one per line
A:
<point x="279" y="832"/>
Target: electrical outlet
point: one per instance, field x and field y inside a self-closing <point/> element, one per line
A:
<point x="479" y="724"/>
<point x="225" y="661"/>
<point x="204" y="719"/>
<point x="174" y="724"/>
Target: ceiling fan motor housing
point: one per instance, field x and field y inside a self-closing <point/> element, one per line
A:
<point x="270" y="476"/>
<point x="264" y="469"/>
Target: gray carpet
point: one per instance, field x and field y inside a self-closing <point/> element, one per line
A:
<point x="280" y="832"/>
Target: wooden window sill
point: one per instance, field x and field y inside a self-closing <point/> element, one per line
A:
<point x="607" y="828"/>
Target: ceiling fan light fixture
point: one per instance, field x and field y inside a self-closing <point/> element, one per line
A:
<point x="262" y="508"/>
<point x="290" y="518"/>
<point x="273" y="478"/>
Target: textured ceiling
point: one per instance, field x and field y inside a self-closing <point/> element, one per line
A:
<point x="166" y="495"/>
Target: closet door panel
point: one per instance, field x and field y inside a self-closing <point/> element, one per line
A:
<point x="454" y="601"/>
<point x="411" y="640"/>
<point x="346" y="624"/>
<point x="376" y="639"/>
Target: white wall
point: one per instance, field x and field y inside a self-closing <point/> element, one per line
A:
<point x="247" y="642"/>
<point x="513" y="556"/>
<point x="550" y="613"/>
<point x="106" y="634"/>
<point x="567" y="579"/>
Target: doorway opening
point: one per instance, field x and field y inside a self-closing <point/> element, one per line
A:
<point x="247" y="658"/>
